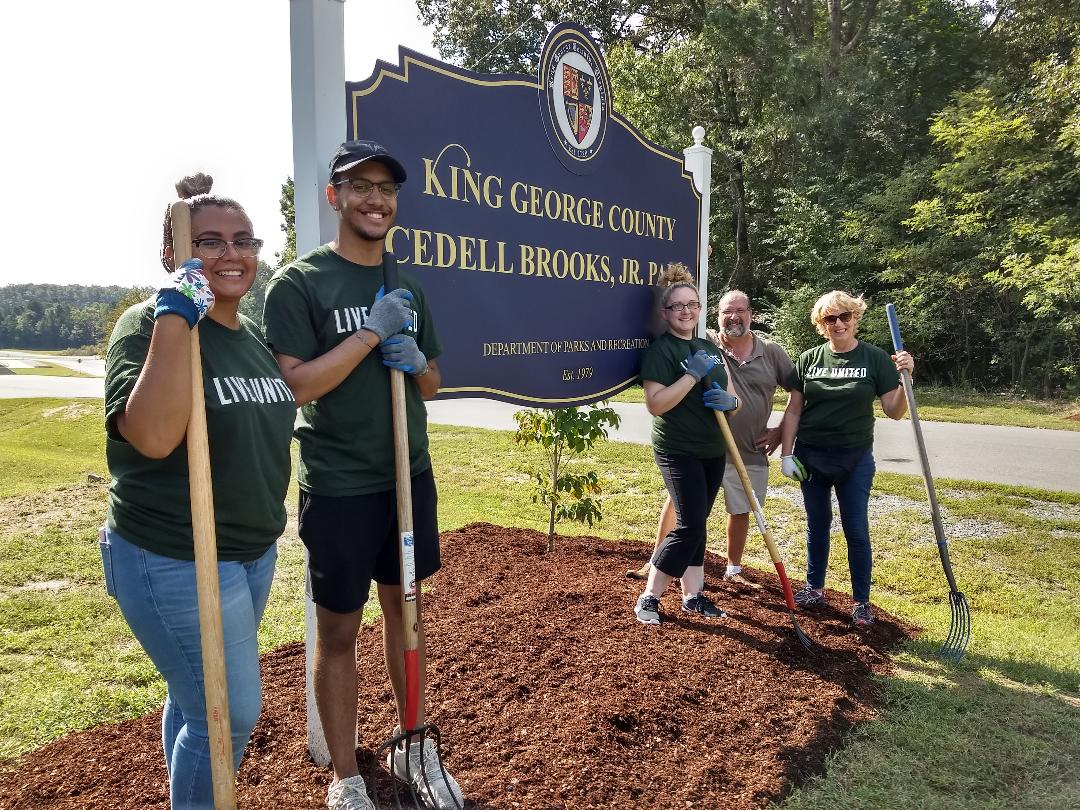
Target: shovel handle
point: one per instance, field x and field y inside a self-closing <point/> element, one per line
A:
<point x="759" y="516"/>
<point x="204" y="534"/>
<point x="410" y="612"/>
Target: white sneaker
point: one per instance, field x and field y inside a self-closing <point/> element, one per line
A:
<point x="426" y="776"/>
<point x="348" y="794"/>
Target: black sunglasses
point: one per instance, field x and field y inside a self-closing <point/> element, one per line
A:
<point x="843" y="317"/>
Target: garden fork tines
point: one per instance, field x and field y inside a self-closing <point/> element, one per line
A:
<point x="959" y="628"/>
<point x="405" y="792"/>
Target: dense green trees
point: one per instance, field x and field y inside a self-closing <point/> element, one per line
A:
<point x="55" y="316"/>
<point x="921" y="151"/>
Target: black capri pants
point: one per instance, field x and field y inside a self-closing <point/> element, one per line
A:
<point x="693" y="484"/>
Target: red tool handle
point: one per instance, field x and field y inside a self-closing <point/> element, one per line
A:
<point x="410" y="613"/>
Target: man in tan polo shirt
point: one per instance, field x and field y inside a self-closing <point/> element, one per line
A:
<point x="757" y="367"/>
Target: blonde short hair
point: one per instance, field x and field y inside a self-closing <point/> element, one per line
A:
<point x="836" y="302"/>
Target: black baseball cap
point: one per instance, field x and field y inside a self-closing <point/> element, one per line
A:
<point x="353" y="153"/>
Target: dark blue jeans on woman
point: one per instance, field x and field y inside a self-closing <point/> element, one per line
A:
<point x="853" y="496"/>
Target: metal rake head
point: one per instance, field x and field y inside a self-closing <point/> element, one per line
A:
<point x="805" y="640"/>
<point x="956" y="641"/>
<point x="407" y="784"/>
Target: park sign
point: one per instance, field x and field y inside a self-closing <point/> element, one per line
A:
<point x="536" y="218"/>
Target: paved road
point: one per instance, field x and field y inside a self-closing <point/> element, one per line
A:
<point x="19" y="386"/>
<point x="1047" y="459"/>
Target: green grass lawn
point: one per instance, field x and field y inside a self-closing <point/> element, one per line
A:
<point x="51" y="370"/>
<point x="955" y="405"/>
<point x="999" y="730"/>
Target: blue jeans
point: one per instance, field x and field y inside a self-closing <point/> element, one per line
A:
<point x="853" y="496"/>
<point x="157" y="596"/>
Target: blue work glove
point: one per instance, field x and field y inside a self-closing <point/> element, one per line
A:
<point x="699" y="364"/>
<point x="793" y="468"/>
<point x="390" y="314"/>
<point x="720" y="400"/>
<point x="402" y="353"/>
<point x="186" y="293"/>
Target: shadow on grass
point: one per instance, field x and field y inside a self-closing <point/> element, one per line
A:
<point x="951" y="738"/>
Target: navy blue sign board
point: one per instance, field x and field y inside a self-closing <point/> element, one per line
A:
<point x="536" y="218"/>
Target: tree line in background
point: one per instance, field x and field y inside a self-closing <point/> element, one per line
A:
<point x="55" y="316"/>
<point x="923" y="152"/>
<point x="81" y="317"/>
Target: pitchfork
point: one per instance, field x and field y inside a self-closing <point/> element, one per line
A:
<point x="960" y="614"/>
<point x="763" y="527"/>
<point x="411" y="733"/>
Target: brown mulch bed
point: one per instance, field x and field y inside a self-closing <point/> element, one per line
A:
<point x="548" y="693"/>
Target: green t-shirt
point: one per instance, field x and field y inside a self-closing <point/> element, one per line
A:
<point x="346" y="435"/>
<point x="690" y="428"/>
<point x="249" y="416"/>
<point x="839" y="391"/>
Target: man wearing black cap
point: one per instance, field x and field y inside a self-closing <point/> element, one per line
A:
<point x="335" y="333"/>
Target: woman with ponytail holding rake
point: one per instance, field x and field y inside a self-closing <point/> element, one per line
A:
<point x="685" y="383"/>
<point x="146" y="546"/>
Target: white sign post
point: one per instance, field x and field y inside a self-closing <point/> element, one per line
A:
<point x="698" y="161"/>
<point x="317" y="44"/>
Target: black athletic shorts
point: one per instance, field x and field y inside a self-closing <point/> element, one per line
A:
<point x="353" y="539"/>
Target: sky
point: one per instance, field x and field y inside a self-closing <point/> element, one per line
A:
<point x="107" y="104"/>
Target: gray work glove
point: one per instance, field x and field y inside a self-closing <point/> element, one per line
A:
<point x="390" y="314"/>
<point x="699" y="364"/>
<point x="402" y="353"/>
<point x="718" y="399"/>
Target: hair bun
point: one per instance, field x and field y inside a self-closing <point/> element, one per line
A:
<point x="194" y="185"/>
<point x="675" y="273"/>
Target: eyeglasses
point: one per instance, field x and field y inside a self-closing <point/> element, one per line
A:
<point x="843" y="317"/>
<point x="729" y="312"/>
<point x="364" y="188"/>
<point x="693" y="306"/>
<point x="247" y="247"/>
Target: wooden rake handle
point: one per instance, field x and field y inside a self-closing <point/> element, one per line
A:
<point x="759" y="516"/>
<point x="410" y="613"/>
<point x="205" y="537"/>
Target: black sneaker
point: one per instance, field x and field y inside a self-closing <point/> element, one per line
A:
<point x="702" y="605"/>
<point x="861" y="615"/>
<point x="647" y="609"/>
<point x="810" y="597"/>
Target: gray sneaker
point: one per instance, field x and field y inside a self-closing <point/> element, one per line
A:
<point x="703" y="606"/>
<point x="348" y="794"/>
<point x="433" y="784"/>
<point x="647" y="609"/>
<point x="861" y="614"/>
<point x="810" y="597"/>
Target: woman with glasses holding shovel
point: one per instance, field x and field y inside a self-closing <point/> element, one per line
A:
<point x="685" y="382"/>
<point x="833" y="388"/>
<point x="146" y="546"/>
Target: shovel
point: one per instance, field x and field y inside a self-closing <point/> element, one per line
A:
<point x="411" y="733"/>
<point x="204" y="533"/>
<point x="959" y="613"/>
<point x="763" y="527"/>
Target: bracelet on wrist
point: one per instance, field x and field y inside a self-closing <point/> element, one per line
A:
<point x="360" y="335"/>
